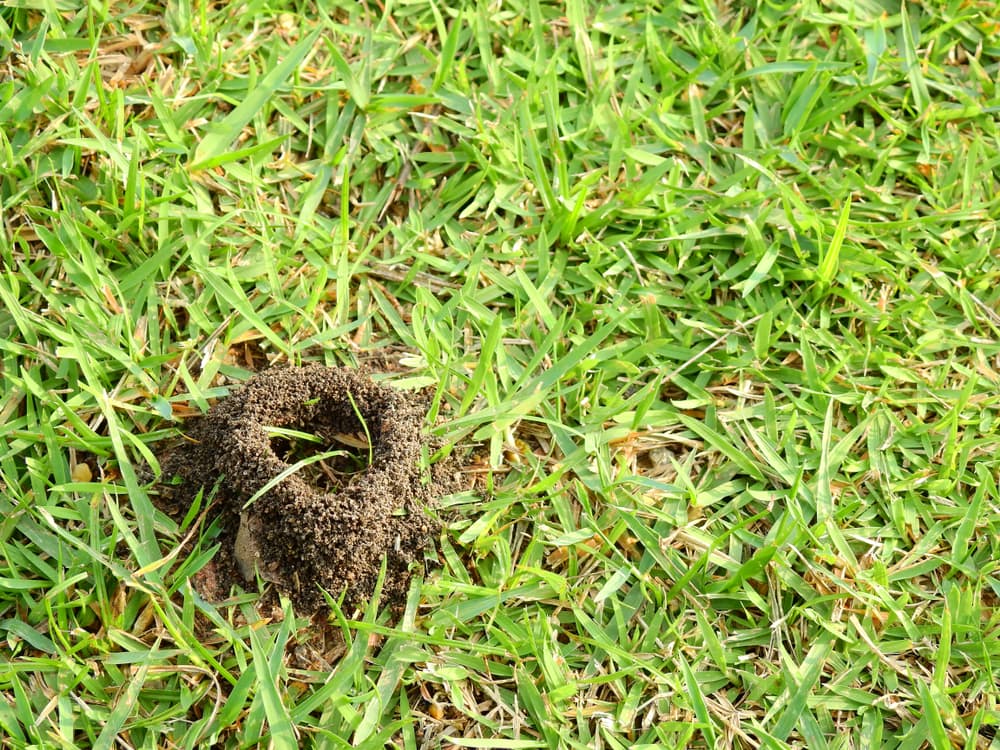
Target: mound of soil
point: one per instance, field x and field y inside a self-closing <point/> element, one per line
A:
<point x="328" y="523"/>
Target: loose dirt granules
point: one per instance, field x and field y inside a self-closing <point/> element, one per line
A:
<point x="329" y="523"/>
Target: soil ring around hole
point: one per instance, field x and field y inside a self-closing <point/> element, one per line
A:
<point x="295" y="533"/>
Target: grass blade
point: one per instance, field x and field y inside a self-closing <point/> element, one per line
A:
<point x="831" y="257"/>
<point x="267" y="660"/>
<point x="221" y="135"/>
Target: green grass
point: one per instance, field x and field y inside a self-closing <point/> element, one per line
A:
<point x="716" y="288"/>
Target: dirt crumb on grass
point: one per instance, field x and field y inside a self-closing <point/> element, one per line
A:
<point x="329" y="523"/>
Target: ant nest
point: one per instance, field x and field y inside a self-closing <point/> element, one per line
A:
<point x="316" y="472"/>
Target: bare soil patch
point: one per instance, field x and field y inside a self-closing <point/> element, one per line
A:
<point x="356" y="495"/>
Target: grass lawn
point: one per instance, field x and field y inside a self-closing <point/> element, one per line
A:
<point x="712" y="289"/>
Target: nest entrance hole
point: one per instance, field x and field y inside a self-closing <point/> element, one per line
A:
<point x="327" y="459"/>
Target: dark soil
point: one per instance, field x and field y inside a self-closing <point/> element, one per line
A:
<point x="330" y="524"/>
